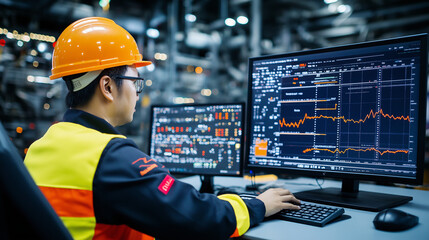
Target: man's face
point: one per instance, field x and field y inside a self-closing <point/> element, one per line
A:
<point x="126" y="98"/>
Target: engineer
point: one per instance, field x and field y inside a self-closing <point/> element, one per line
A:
<point x="99" y="182"/>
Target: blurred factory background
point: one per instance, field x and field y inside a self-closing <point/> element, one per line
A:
<point x="199" y="48"/>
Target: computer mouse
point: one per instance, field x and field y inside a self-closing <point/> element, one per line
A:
<point x="394" y="220"/>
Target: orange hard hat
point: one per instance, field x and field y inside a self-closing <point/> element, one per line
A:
<point x="91" y="44"/>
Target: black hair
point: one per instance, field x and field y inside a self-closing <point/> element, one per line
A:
<point x="83" y="96"/>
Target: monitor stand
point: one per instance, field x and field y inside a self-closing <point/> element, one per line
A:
<point x="206" y="184"/>
<point x="349" y="196"/>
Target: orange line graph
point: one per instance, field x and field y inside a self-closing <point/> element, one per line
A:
<point x="302" y="101"/>
<point x="334" y="108"/>
<point x="305" y="134"/>
<point x="352" y="149"/>
<point x="325" y="82"/>
<point x="372" y="114"/>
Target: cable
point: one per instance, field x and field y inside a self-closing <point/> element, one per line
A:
<point x="318" y="184"/>
<point x="253" y="186"/>
<point x="253" y="178"/>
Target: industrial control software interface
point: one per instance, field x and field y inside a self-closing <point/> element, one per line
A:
<point x="350" y="111"/>
<point x="198" y="139"/>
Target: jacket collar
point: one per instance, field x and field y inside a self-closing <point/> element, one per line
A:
<point x="90" y="121"/>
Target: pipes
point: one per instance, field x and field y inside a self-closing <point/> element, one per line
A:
<point x="256" y="28"/>
<point x="172" y="12"/>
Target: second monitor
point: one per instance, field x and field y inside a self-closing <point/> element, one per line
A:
<point x="201" y="140"/>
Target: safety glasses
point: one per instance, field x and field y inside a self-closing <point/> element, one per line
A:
<point x="138" y="82"/>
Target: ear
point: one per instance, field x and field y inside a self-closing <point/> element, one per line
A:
<point x="106" y="87"/>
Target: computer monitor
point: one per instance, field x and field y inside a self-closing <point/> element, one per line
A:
<point x="354" y="112"/>
<point x="203" y="139"/>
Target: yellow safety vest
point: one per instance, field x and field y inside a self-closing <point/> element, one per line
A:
<point x="63" y="163"/>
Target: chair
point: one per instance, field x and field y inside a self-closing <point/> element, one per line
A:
<point x="24" y="211"/>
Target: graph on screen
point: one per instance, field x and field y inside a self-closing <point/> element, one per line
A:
<point x="359" y="108"/>
<point x="355" y="113"/>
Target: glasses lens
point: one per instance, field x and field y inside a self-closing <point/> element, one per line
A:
<point x="139" y="85"/>
<point x="138" y="82"/>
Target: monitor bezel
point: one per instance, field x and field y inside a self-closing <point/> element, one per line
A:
<point x="421" y="124"/>
<point x="242" y="148"/>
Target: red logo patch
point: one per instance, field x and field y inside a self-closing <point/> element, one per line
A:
<point x="166" y="184"/>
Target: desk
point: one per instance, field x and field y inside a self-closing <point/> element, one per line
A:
<point x="358" y="227"/>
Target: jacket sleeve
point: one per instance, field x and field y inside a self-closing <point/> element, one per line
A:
<point x="131" y="188"/>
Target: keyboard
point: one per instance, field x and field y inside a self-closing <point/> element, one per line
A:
<point x="310" y="213"/>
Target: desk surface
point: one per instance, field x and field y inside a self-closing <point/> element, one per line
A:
<point x="358" y="227"/>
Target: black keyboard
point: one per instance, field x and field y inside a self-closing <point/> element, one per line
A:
<point x="310" y="213"/>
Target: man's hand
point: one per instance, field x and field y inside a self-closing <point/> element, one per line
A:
<point x="277" y="199"/>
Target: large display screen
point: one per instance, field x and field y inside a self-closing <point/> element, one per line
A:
<point x="356" y="109"/>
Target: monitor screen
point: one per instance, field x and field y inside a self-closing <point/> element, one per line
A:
<point x="352" y="112"/>
<point x="198" y="139"/>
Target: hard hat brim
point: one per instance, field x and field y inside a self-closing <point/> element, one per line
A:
<point x="142" y="64"/>
<point x="137" y="64"/>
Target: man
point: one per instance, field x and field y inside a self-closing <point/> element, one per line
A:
<point x="98" y="181"/>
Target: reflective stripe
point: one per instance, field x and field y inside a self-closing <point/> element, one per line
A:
<point x="241" y="213"/>
<point x="70" y="202"/>
<point x="110" y="232"/>
<point x="235" y="234"/>
<point x="147" y="237"/>
<point x="80" y="228"/>
<point x="113" y="232"/>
